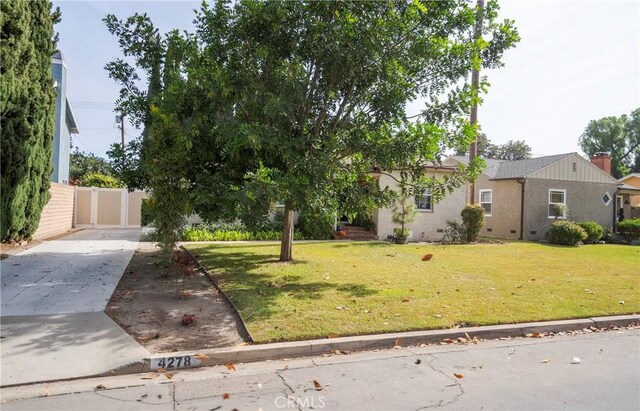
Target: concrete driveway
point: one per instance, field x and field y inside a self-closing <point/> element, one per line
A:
<point x="52" y="301"/>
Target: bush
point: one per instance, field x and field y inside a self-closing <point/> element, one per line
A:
<point x="594" y="231"/>
<point x="203" y="233"/>
<point x="147" y="211"/>
<point x="566" y="233"/>
<point x="472" y="220"/>
<point x="316" y="224"/>
<point x="101" y="181"/>
<point x="629" y="229"/>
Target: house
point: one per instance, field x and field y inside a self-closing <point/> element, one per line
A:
<point x="65" y="122"/>
<point x="520" y="198"/>
<point x="628" y="198"/>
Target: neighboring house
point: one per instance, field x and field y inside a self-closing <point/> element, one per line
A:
<point x="65" y="122"/>
<point x="519" y="196"/>
<point x="432" y="218"/>
<point x="628" y="198"/>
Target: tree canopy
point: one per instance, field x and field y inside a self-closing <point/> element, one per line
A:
<point x="618" y="136"/>
<point x="297" y="102"/>
<point x="27" y="108"/>
<point x="511" y="150"/>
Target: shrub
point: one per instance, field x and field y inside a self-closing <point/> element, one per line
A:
<point x="472" y="220"/>
<point x="566" y="233"/>
<point x="147" y="211"/>
<point x="101" y="181"/>
<point x="316" y="224"/>
<point x="203" y="233"/>
<point x="404" y="213"/>
<point x="629" y="229"/>
<point x="594" y="231"/>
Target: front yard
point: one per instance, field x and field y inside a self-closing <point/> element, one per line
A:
<point x="350" y="288"/>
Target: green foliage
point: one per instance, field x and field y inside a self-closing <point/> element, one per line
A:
<point x="629" y="229"/>
<point x="81" y="164"/>
<point x="316" y="223"/>
<point x="297" y="101"/>
<point x="566" y="233"/>
<point x="101" y="181"/>
<point x="511" y="150"/>
<point x="129" y="168"/>
<point x="559" y="210"/>
<point x="403" y="213"/>
<point x="147" y="211"/>
<point x="473" y="221"/>
<point x="594" y="231"/>
<point x="619" y="136"/>
<point x="26" y="114"/>
<point x="206" y="234"/>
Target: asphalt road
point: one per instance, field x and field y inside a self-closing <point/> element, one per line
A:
<point x="524" y="373"/>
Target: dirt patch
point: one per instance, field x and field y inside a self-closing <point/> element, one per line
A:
<point x="150" y="303"/>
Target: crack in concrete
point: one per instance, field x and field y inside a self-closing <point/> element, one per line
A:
<point x="173" y="396"/>
<point x="456" y="382"/>
<point x="286" y="384"/>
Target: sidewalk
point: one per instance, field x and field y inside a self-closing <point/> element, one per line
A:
<point x="53" y="296"/>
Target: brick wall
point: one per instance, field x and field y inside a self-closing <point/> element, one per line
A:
<point x="57" y="215"/>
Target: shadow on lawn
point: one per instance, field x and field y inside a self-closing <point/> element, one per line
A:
<point x="255" y="294"/>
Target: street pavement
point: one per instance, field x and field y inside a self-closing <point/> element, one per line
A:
<point x="52" y="301"/>
<point x="591" y="371"/>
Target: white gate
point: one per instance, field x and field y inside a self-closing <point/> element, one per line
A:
<point x="108" y="207"/>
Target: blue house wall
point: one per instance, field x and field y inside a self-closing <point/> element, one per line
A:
<point x="65" y="123"/>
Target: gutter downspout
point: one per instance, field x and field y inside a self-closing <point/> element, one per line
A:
<point x="522" y="182"/>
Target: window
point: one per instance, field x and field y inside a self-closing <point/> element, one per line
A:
<point x="557" y="203"/>
<point x="424" y="202"/>
<point x="606" y="199"/>
<point x="485" y="201"/>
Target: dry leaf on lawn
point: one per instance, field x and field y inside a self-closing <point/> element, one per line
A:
<point x="427" y="257"/>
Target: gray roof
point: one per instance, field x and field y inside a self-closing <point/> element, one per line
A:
<point x="492" y="164"/>
<point x="522" y="168"/>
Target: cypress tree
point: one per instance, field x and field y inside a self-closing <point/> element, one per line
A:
<point x="27" y="107"/>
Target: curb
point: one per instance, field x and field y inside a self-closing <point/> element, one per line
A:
<point x="277" y="351"/>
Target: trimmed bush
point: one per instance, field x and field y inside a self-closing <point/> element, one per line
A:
<point x="316" y="224"/>
<point x="629" y="229"/>
<point x="594" y="231"/>
<point x="566" y="233"/>
<point x="473" y="220"/>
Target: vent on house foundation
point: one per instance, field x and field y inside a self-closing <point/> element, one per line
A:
<point x="489" y="230"/>
<point x="513" y="231"/>
<point x="440" y="230"/>
<point x="533" y="232"/>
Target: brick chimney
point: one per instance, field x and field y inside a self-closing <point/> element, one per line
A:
<point x="602" y="161"/>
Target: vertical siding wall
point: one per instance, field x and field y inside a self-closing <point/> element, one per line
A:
<point x="57" y="215"/>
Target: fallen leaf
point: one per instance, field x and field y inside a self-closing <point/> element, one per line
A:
<point x="427" y="257"/>
<point x="336" y="352"/>
<point x="101" y="387"/>
<point x="332" y="336"/>
<point x="150" y="377"/>
<point x="621" y="302"/>
<point x="405" y="300"/>
<point x="317" y="385"/>
<point x="226" y="396"/>
<point x="418" y="361"/>
<point x="200" y="356"/>
<point x="448" y="341"/>
<point x="455" y="374"/>
<point x="546" y="360"/>
<point x="230" y="367"/>
<point x="397" y="344"/>
<point x="144" y="395"/>
<point x="169" y="375"/>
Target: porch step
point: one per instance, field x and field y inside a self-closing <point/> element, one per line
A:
<point x="355" y="233"/>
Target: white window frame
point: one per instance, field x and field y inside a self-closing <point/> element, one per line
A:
<point x="428" y="195"/>
<point x="483" y="203"/>
<point x="610" y="198"/>
<point x="564" y="198"/>
<point x="619" y="203"/>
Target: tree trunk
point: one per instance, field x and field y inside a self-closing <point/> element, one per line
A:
<point x="287" y="234"/>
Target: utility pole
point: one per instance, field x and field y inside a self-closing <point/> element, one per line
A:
<point x="122" y="135"/>
<point x="475" y="86"/>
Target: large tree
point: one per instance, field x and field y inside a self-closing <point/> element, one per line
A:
<point x="299" y="101"/>
<point x="619" y="136"/>
<point x="27" y="108"/>
<point x="511" y="150"/>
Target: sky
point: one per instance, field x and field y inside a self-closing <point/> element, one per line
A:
<point x="577" y="61"/>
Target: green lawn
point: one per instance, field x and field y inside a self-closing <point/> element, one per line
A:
<point x="349" y="288"/>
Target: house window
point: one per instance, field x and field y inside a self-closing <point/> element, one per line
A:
<point x="557" y="203"/>
<point x="485" y="201"/>
<point x="618" y="202"/>
<point x="606" y="199"/>
<point x="424" y="202"/>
